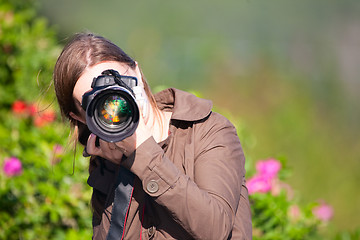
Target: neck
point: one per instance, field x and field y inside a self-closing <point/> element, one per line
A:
<point x="158" y="123"/>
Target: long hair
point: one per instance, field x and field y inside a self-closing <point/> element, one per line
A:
<point x="82" y="51"/>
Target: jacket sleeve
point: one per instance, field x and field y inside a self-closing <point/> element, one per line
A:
<point x="204" y="206"/>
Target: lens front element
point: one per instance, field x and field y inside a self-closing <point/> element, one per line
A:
<point x="113" y="111"/>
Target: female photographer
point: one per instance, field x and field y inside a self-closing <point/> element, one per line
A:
<point x="180" y="175"/>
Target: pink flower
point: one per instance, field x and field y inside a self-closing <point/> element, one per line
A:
<point x="268" y="168"/>
<point x="265" y="177"/>
<point x="12" y="167"/>
<point x="294" y="212"/>
<point x="58" y="150"/>
<point x="258" y="184"/>
<point x="323" y="212"/>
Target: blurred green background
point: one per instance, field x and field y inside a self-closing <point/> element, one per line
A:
<point x="290" y="70"/>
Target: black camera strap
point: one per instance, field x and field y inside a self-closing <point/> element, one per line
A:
<point x="122" y="200"/>
<point x="127" y="82"/>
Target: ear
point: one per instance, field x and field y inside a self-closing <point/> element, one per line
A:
<point x="77" y="118"/>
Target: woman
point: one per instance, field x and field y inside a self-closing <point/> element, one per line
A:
<point x="179" y="176"/>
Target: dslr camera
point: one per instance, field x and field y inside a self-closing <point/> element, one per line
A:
<point x="112" y="112"/>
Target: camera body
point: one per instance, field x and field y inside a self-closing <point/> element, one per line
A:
<point x="112" y="112"/>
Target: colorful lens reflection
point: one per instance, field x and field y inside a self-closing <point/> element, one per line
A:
<point x="114" y="110"/>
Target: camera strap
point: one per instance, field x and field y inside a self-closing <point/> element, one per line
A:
<point x="122" y="80"/>
<point x="123" y="194"/>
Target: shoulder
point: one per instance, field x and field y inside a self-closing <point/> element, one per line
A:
<point x="213" y="123"/>
<point x="217" y="118"/>
<point x="218" y="136"/>
<point x="183" y="105"/>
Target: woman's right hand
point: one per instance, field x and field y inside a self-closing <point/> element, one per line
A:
<point x="115" y="151"/>
<point x="104" y="149"/>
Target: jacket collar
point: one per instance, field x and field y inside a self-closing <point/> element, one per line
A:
<point x="184" y="106"/>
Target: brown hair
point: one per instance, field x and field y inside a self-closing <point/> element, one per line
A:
<point x="82" y="51"/>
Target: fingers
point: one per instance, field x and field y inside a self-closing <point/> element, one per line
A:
<point x="111" y="146"/>
<point x="119" y="146"/>
<point x="91" y="147"/>
<point x="96" y="146"/>
<point x="103" y="149"/>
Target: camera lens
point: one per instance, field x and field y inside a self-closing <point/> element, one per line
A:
<point x="113" y="111"/>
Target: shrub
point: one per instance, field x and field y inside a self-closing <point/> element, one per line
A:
<point x="43" y="190"/>
<point x="27" y="52"/>
<point x="40" y="197"/>
<point x="276" y="213"/>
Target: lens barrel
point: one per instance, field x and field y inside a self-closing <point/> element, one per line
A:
<point x="112" y="113"/>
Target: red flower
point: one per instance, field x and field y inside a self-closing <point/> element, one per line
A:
<point x="32" y="109"/>
<point x="40" y="118"/>
<point x="19" y="107"/>
<point x="49" y="116"/>
<point x="44" y="118"/>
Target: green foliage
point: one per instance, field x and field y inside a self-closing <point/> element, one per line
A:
<point x="49" y="198"/>
<point x="45" y="201"/>
<point x="348" y="235"/>
<point x="277" y="216"/>
<point x="27" y="52"/>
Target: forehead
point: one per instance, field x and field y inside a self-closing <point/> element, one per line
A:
<point x="83" y="84"/>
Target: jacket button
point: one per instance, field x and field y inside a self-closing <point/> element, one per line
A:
<point x="152" y="186"/>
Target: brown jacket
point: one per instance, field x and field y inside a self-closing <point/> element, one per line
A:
<point x="190" y="186"/>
